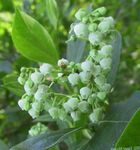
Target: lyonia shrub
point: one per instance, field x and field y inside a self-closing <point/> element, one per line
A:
<point x="72" y="92"/>
<point x="83" y="87"/>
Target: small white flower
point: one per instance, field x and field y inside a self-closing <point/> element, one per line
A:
<point x="63" y="63"/>
<point x="36" y="106"/>
<point x="37" y="77"/>
<point x="29" y="87"/>
<point x="81" y="30"/>
<point x="101" y="95"/>
<point x="80" y="14"/>
<point x="33" y="113"/>
<point x="54" y="112"/>
<point x="75" y="115"/>
<point x="106" y="63"/>
<point x="100" y="80"/>
<point x="97" y="115"/>
<point x="85" y="92"/>
<point x="95" y="38"/>
<point x="106" y="24"/>
<point x="41" y="92"/>
<point x="106" y="50"/>
<point x="96" y="70"/>
<point x="85" y="76"/>
<point x="83" y="106"/>
<point x="87" y="66"/>
<point x="46" y="68"/>
<point x="71" y="104"/>
<point x="73" y="78"/>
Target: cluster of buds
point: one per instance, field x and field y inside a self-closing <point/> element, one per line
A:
<point x="70" y="90"/>
<point x="37" y="129"/>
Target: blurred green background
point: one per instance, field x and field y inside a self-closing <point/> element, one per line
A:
<point x="14" y="123"/>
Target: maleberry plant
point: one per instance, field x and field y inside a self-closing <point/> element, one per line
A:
<point x="72" y="91"/>
<point x="83" y="86"/>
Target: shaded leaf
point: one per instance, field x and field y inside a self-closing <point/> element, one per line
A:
<point x="52" y="12"/>
<point x="131" y="135"/>
<point x="117" y="45"/>
<point x="45" y="141"/>
<point x="10" y="82"/>
<point x="75" y="50"/>
<point x="32" y="40"/>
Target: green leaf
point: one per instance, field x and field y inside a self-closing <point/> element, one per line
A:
<point x="52" y="12"/>
<point x="131" y="135"/>
<point x="117" y="45"/>
<point x="10" y="82"/>
<point x="32" y="40"/>
<point x="75" y="50"/>
<point x="116" y="119"/>
<point x="45" y="141"/>
<point x="3" y="146"/>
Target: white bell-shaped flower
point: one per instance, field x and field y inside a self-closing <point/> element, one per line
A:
<point x="63" y="63"/>
<point x="85" y="92"/>
<point x="37" y="77"/>
<point x="83" y="106"/>
<point x="85" y="76"/>
<point x="46" y="68"/>
<point x="81" y="30"/>
<point x="106" y="63"/>
<point x="95" y="38"/>
<point x="73" y="78"/>
<point x="87" y="66"/>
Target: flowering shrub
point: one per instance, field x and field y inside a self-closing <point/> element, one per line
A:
<point x="72" y="93"/>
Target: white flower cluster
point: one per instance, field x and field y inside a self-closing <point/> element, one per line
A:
<point x="37" y="129"/>
<point x="73" y="90"/>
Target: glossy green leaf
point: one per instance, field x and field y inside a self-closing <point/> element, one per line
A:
<point x="45" y="141"/>
<point x="75" y="50"/>
<point x="131" y="135"/>
<point x="116" y="120"/>
<point x="3" y="146"/>
<point x="10" y="82"/>
<point x="32" y="40"/>
<point x="117" y="45"/>
<point x="52" y="12"/>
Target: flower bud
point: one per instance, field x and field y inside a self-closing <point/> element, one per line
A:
<point x="100" y="80"/>
<point x="24" y="104"/>
<point x="30" y="87"/>
<point x="81" y="30"/>
<point x="46" y="68"/>
<point x="37" y="106"/>
<point x="71" y="104"/>
<point x="100" y="11"/>
<point x="87" y="66"/>
<point x="73" y="78"/>
<point x="106" y="63"/>
<point x="37" y="77"/>
<point x="80" y="14"/>
<point x="92" y="98"/>
<point x="37" y="129"/>
<point x="97" y="115"/>
<point x="41" y="92"/>
<point x="54" y="112"/>
<point x="63" y="63"/>
<point x="106" y="51"/>
<point x="106" y="87"/>
<point x="96" y="70"/>
<point x="85" y="92"/>
<point x="101" y="95"/>
<point x="84" y="107"/>
<point x="85" y="76"/>
<point x="33" y="113"/>
<point x="21" y="80"/>
<point x="95" y="38"/>
<point x="106" y="24"/>
<point x="92" y="27"/>
<point x="75" y="115"/>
